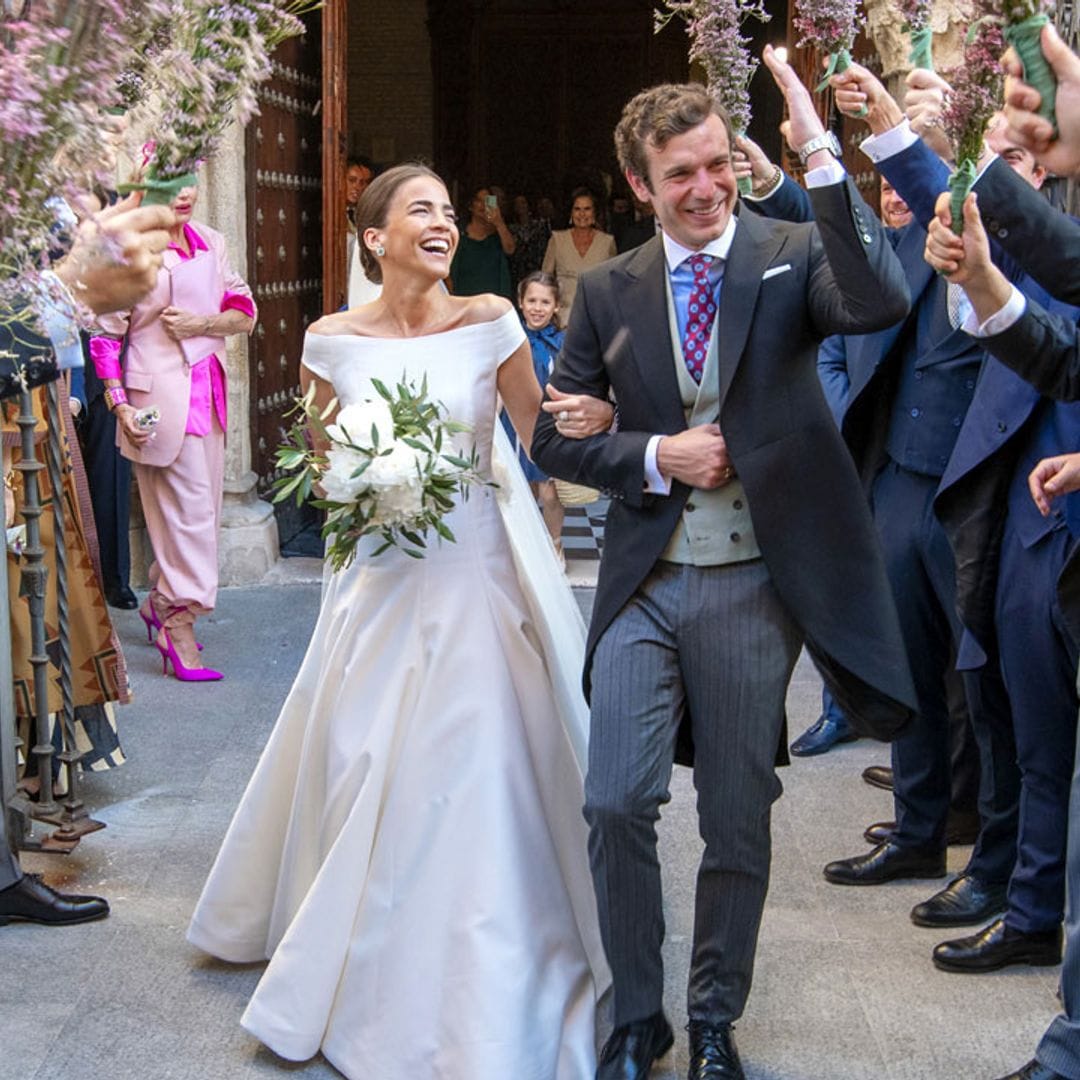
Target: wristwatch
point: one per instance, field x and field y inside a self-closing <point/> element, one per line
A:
<point x="826" y="141"/>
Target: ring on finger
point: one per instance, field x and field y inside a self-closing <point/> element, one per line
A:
<point x="564" y="416"/>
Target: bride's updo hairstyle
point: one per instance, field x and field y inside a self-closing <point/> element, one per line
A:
<point x="374" y="207"/>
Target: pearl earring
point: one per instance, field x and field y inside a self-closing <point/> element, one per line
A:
<point x="380" y="251"/>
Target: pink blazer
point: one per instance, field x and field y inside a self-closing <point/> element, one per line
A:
<point x="157" y="371"/>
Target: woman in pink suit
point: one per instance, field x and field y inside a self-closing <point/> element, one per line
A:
<point x="165" y="353"/>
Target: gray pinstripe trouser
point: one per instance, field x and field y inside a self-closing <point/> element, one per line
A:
<point x="716" y="643"/>
<point x="9" y="866"/>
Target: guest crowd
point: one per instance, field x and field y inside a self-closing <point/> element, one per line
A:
<point x="959" y="461"/>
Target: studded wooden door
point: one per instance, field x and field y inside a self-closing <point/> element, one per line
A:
<point x="284" y="162"/>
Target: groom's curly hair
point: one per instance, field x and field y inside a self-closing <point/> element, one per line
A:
<point x="657" y="115"/>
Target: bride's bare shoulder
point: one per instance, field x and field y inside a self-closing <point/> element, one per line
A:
<point x="487" y="307"/>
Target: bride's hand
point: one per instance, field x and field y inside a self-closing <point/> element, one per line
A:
<point x="577" y="416"/>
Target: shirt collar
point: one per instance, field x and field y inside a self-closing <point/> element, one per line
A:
<point x="676" y="254"/>
<point x="194" y="241"/>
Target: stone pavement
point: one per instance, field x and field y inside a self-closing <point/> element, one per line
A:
<point x="844" y="986"/>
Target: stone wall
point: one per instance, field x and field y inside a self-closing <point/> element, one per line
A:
<point x="884" y="24"/>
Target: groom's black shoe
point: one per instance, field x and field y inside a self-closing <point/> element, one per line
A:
<point x="632" y="1048"/>
<point x="712" y="1052"/>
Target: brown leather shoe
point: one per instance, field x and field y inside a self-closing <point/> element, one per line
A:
<point x="959" y="831"/>
<point x="31" y="900"/>
<point x="879" y="776"/>
<point x="996" y="946"/>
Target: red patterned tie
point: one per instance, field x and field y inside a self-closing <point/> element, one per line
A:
<point x="701" y="314"/>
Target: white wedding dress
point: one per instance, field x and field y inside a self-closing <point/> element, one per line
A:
<point x="410" y="853"/>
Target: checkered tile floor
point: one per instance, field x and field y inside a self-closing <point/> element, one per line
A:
<point x="583" y="541"/>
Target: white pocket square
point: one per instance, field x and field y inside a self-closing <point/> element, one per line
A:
<point x="774" y="270"/>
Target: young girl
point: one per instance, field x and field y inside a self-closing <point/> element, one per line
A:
<point x="538" y="298"/>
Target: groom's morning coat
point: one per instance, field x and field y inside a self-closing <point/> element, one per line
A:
<point x="785" y="287"/>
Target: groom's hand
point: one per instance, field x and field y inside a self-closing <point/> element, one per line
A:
<point x="698" y="457"/>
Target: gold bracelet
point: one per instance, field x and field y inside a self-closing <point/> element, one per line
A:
<point x="771" y="184"/>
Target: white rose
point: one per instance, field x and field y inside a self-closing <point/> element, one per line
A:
<point x="400" y="468"/>
<point x="354" y="424"/>
<point x="338" y="481"/>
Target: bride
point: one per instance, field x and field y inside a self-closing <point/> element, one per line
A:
<point x="410" y="853"/>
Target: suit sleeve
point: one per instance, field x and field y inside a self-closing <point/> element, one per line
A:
<point x="1044" y="241"/>
<point x="613" y="462"/>
<point x="919" y="177"/>
<point x="857" y="284"/>
<point x="1044" y="349"/>
<point x="789" y="202"/>
<point x="833" y="373"/>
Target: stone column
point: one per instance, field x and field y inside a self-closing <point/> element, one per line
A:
<point x="249" y="540"/>
<point x="884" y="24"/>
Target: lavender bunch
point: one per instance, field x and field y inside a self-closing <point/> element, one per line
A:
<point x="716" y="42"/>
<point x="917" y="23"/>
<point x="830" y="25"/>
<point x="977" y="84"/>
<point x="208" y="80"/>
<point x="59" y="65"/>
<point x="1024" y="20"/>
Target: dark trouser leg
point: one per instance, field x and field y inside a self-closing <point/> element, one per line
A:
<point x="964" y="749"/>
<point x="10" y="873"/>
<point x="637" y="703"/>
<point x="918" y="561"/>
<point x="1039" y="664"/>
<point x="737" y="646"/>
<point x="108" y="475"/>
<point x="1059" y="1049"/>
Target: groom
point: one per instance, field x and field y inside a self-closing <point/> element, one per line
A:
<point x="738" y="532"/>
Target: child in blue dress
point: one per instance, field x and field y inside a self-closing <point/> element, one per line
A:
<point x="538" y="299"/>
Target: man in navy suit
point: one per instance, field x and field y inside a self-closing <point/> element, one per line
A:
<point x="1009" y="560"/>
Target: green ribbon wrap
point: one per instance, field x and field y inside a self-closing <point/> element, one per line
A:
<point x="960" y="183"/>
<point x="157" y="192"/>
<point x="839" y="61"/>
<point x="1025" y="38"/>
<point x="922" y="53"/>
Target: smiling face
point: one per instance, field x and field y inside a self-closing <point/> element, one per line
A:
<point x="583" y="212"/>
<point x="1021" y="161"/>
<point x="690" y="184"/>
<point x="538" y="305"/>
<point x="894" y="211"/>
<point x="420" y="234"/>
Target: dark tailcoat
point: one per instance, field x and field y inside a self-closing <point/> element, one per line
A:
<point x="810" y="517"/>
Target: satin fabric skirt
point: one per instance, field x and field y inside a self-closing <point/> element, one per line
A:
<point x="410" y="853"/>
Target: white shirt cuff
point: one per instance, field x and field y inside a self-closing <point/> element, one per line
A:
<point x="889" y="143"/>
<point x="1001" y="320"/>
<point x="824" y="175"/>
<point x="655" y="484"/>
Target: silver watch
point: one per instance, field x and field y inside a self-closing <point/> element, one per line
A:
<point x="826" y="141"/>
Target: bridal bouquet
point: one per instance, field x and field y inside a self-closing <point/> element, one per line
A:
<point x="718" y="44"/>
<point x="207" y="80"/>
<point x="388" y="470"/>
<point x="976" y="95"/>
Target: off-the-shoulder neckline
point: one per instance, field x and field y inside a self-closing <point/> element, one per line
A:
<point x="418" y="337"/>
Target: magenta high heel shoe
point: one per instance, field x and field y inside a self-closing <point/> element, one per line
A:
<point x="153" y="625"/>
<point x="184" y="674"/>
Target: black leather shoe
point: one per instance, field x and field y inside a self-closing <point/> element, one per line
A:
<point x="712" y="1052"/>
<point x="121" y="596"/>
<point x="878" y="776"/>
<point x="997" y="946"/>
<point x="959" y="831"/>
<point x="886" y="862"/>
<point x="822" y="735"/>
<point x="31" y="900"/>
<point x="1034" y="1071"/>
<point x="967" y="901"/>
<point x="630" y="1052"/>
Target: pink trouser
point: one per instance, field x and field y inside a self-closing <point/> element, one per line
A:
<point x="182" y="506"/>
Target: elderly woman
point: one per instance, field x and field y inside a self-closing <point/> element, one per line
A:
<point x="162" y="357"/>
<point x="570" y="252"/>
